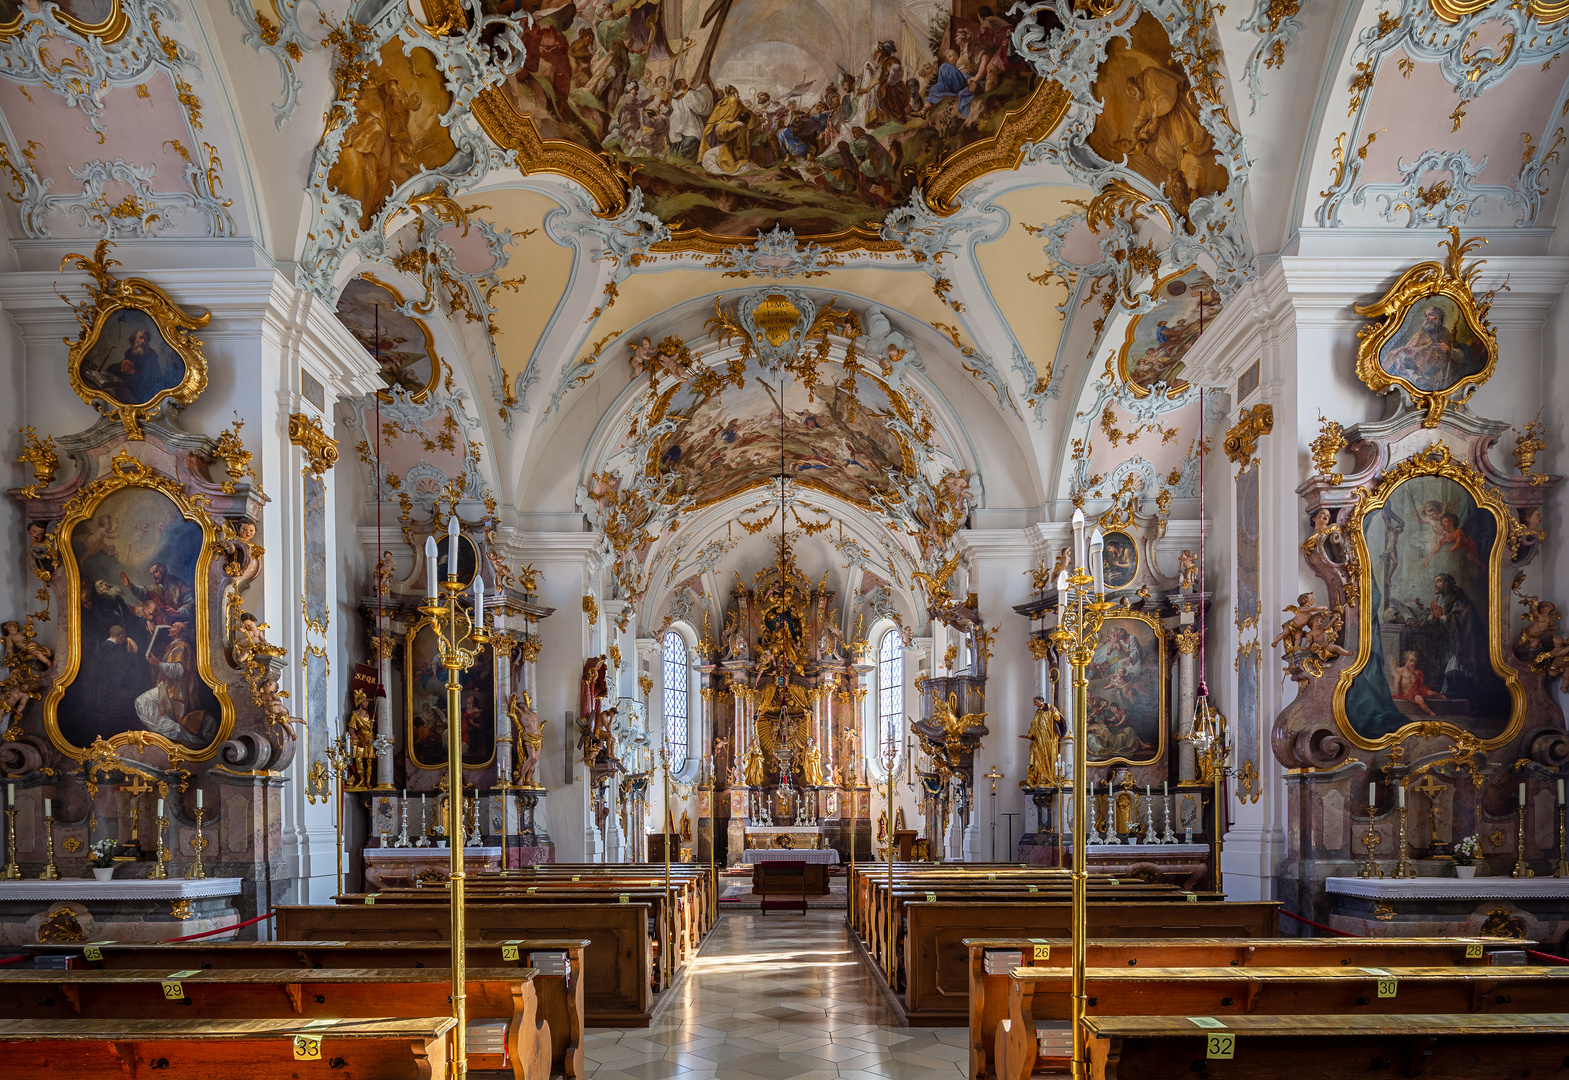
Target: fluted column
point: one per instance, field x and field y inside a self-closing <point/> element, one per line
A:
<point x="382" y="647"/>
<point x="1187" y="690"/>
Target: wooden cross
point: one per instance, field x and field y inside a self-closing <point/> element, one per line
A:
<point x="1431" y="788"/>
<point x="136" y="789"/>
<point x="138" y="786"/>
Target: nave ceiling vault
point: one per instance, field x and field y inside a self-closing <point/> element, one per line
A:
<point x="1031" y="213"/>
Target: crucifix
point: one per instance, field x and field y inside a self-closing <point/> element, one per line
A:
<point x="1431" y="788"/>
<point x="138" y="787"/>
<point x="717" y="13"/>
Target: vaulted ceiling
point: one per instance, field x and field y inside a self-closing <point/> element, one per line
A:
<point x="570" y="231"/>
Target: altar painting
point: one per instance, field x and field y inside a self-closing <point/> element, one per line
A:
<point x="1429" y="557"/>
<point x="402" y="346"/>
<point x="1156" y="342"/>
<point x="734" y="116"/>
<point x="1435" y="348"/>
<point x="1127" y="693"/>
<point x="137" y="571"/>
<point x="131" y="363"/>
<point x="1119" y="560"/>
<point x="729" y="441"/>
<point x="425" y="680"/>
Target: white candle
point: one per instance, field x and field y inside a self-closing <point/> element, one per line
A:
<point x="430" y="567"/>
<point x="1062" y="581"/>
<point x="160" y="808"/>
<point x="1401" y="793"/>
<point x="10" y="793"/>
<point x="1097" y="560"/>
<point x="198" y="798"/>
<point x="1372" y="795"/>
<point x="48" y="808"/>
<point x="1078" y="538"/>
<point x="1522" y="793"/>
<point x="1560" y="793"/>
<point x="479" y="601"/>
<point x="452" y="546"/>
<point x="1146" y="792"/>
<point x="1165" y="793"/>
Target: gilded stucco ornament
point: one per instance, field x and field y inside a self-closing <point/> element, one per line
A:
<point x="469" y="61"/>
<point x="1434" y="342"/>
<point x="321" y="450"/>
<point x="1275" y="22"/>
<point x="776" y="254"/>
<point x="1452" y="200"/>
<point x="1242" y="439"/>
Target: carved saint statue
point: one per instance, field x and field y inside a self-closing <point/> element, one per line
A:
<point x="754" y="766"/>
<point x="1046" y="731"/>
<point x="1190" y="571"/>
<point x="812" y="767"/>
<point x="528" y="730"/>
<point x="360" y="726"/>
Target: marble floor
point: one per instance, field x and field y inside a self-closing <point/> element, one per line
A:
<point x="777" y="997"/>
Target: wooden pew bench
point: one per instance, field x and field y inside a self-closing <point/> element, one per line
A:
<point x="617" y="967"/>
<point x="194" y="1049"/>
<point x="936" y="962"/>
<point x="988" y="994"/>
<point x="1438" y="1047"/>
<point x="278" y="993"/>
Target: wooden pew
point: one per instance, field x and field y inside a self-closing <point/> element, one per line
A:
<point x="937" y="962"/>
<point x="988" y="994"/>
<point x="704" y="884"/>
<point x="560" y="1000"/>
<point x="617" y="961"/>
<point x="413" y="1049"/>
<point x="276" y="993"/>
<point x="1458" y="1046"/>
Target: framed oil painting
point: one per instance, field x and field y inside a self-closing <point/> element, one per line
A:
<point x="1127" y="692"/>
<point x="468" y="559"/>
<point x="1428" y="545"/>
<point x="138" y="664"/>
<point x="1434" y="341"/>
<point x="401" y="345"/>
<point x="1156" y="341"/>
<point x="135" y="352"/>
<point x="1119" y="560"/>
<point x="425" y="696"/>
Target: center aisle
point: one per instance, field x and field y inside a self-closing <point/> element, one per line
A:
<point x="777" y="997"/>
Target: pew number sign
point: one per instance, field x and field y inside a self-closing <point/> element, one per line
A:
<point x="307" y="1046"/>
<point x="1219" y="1044"/>
<point x="1387" y="983"/>
<point x="172" y="990"/>
<point x="1041" y="949"/>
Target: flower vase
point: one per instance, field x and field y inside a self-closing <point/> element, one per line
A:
<point x="1466" y="872"/>
<point x="103" y="873"/>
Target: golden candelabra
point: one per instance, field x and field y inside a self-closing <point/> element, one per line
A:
<point x="196" y="871"/>
<point x="12" y="870"/>
<point x="336" y="757"/>
<point x="1521" y="870"/>
<point x="1403" y="868"/>
<point x="1209" y="758"/>
<point x="51" y="871"/>
<point x="1562" y="869"/>
<point x="1370" y="840"/>
<point x="1081" y="609"/>
<point x="460" y="635"/>
<point x="160" y="871"/>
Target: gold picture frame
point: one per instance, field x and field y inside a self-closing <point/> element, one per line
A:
<point x="1125" y="576"/>
<point x="1435" y="361"/>
<point x="109" y="30"/>
<point x="425" y="678"/>
<point x="391" y="321"/>
<point x="128" y="474"/>
<point x="1169" y="300"/>
<point x="1153" y="632"/>
<point x="1435" y="462"/>
<point x="136" y="308"/>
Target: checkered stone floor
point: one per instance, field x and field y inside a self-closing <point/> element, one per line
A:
<point x="777" y="997"/>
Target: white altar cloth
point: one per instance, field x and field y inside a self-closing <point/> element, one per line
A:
<point x="90" y="889"/>
<point x="1445" y="888"/>
<point x="806" y="855"/>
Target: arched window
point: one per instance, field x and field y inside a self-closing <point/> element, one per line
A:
<point x="890" y="693"/>
<point x="677" y="699"/>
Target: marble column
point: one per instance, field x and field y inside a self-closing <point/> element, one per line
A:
<point x="615" y="839"/>
<point x="503" y="722"/>
<point x="382" y="648"/>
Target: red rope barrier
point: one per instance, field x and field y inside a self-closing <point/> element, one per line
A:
<point x="1549" y="957"/>
<point x="14" y="959"/>
<point x="221" y="929"/>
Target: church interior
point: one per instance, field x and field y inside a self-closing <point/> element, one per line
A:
<point x="783" y="539"/>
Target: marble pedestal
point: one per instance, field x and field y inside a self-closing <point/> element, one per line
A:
<point x="1532" y="909"/>
<point x="404" y="868"/>
<point x="74" y="910"/>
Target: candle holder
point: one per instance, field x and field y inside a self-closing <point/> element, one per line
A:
<point x="1149" y="822"/>
<point x="423" y="837"/>
<point x="51" y="871"/>
<point x="1165" y="810"/>
<point x="196" y="871"/>
<point x="1562" y="869"/>
<point x="12" y="871"/>
<point x="160" y="871"/>
<point x="403" y="831"/>
<point x="1371" y="840"/>
<point x="474" y="837"/>
<point x="1403" y="868"/>
<point x="1093" y="836"/>
<point x="1521" y="870"/>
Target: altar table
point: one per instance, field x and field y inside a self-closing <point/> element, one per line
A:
<point x="1533" y="909"/>
<point x="806" y="855"/>
<point x="69" y="910"/>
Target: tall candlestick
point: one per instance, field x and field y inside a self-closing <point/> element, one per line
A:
<point x="12" y="871"/>
<point x="431" y="555"/>
<point x="198" y="798"/>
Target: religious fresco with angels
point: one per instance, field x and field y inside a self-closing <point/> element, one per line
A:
<point x="738" y="115"/>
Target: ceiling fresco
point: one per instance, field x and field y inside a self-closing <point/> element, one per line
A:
<point x="736" y="117"/>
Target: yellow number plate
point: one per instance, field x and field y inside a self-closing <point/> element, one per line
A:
<point x="931" y="898"/>
<point x="991" y="877"/>
<point x="172" y="990"/>
<point x="625" y="899"/>
<point x="1473" y="951"/>
<point x="577" y="877"/>
<point x="371" y="898"/>
<point x="1033" y="888"/>
<point x="1042" y="952"/>
<point x="93" y="952"/>
<point x="1387" y="987"/>
<point x="307" y="1048"/>
<point x="1220" y="1046"/>
<point x="509" y="952"/>
<point x="532" y="889"/>
<point x="1193" y="897"/>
